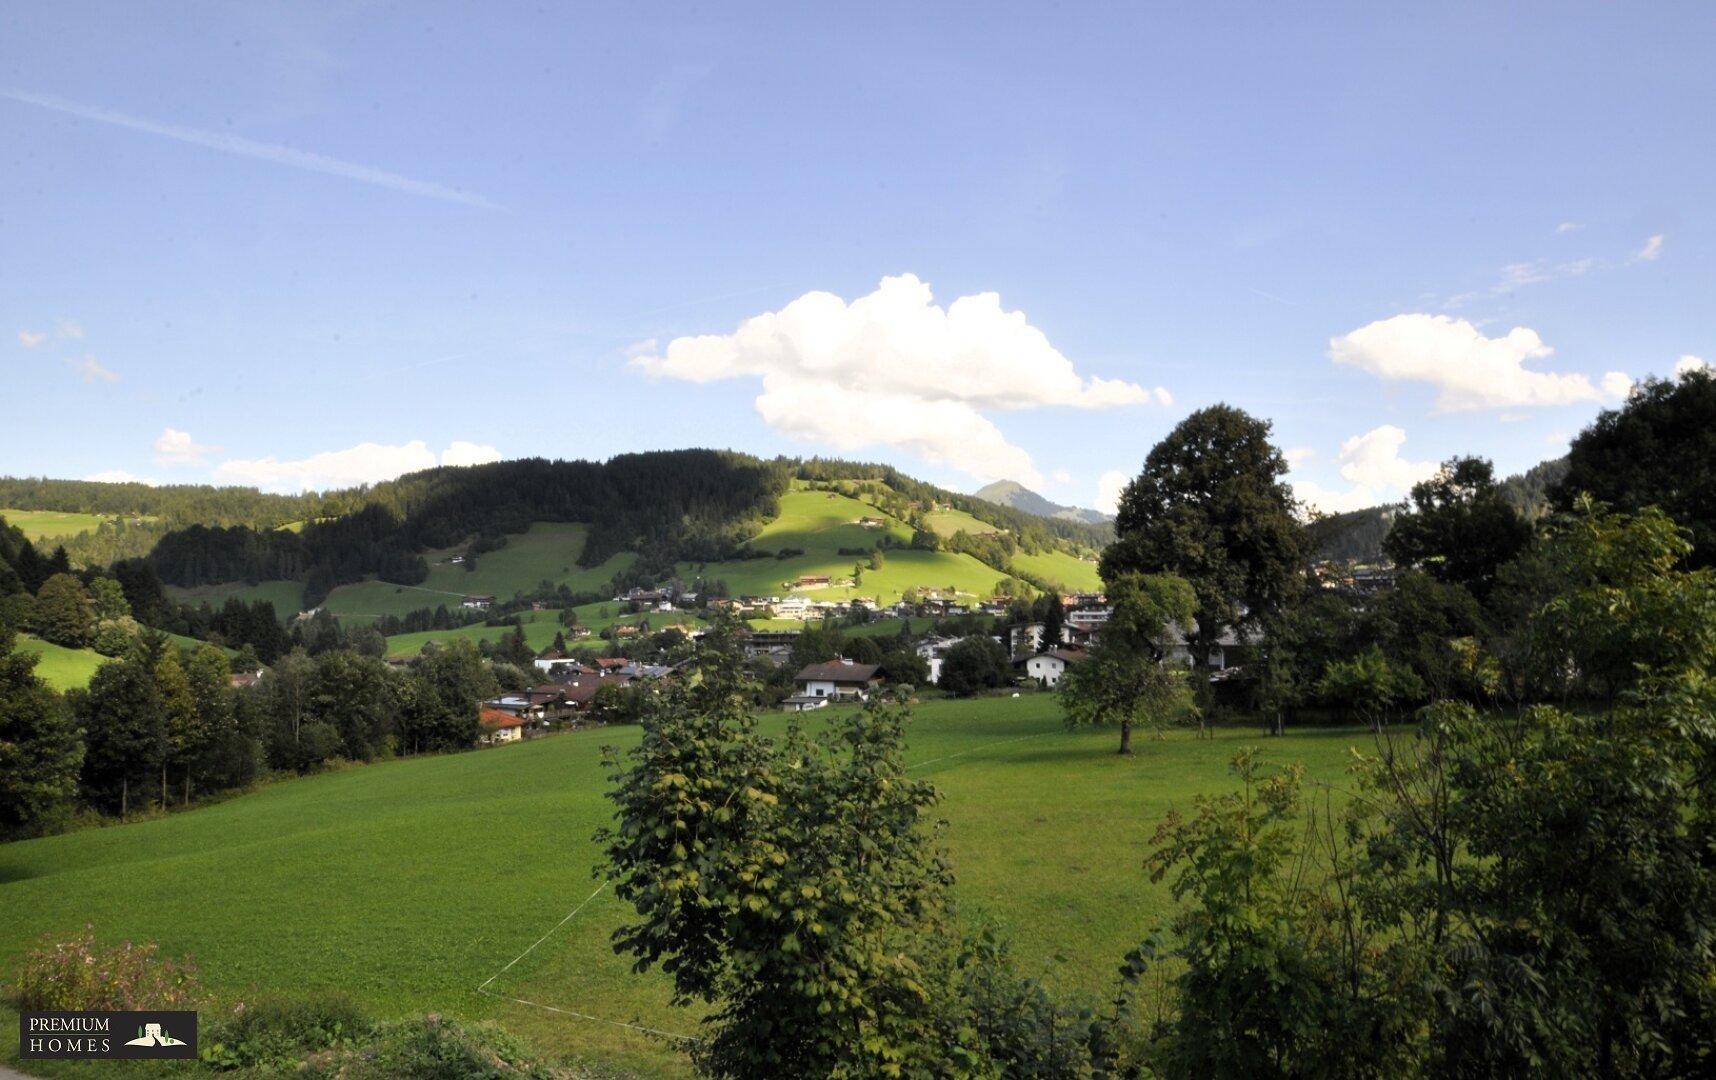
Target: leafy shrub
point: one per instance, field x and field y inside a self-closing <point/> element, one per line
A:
<point x="278" y="1033"/>
<point x="432" y="1046"/>
<point x="80" y="974"/>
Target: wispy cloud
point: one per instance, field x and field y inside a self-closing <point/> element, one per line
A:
<point x="90" y="370"/>
<point x="1651" y="251"/>
<point x="274" y="152"/>
<point x="1569" y="226"/>
<point x="30" y="339"/>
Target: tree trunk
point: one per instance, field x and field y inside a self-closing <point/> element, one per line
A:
<point x="124" y="797"/>
<point x="1126" y="736"/>
<point x="163" y="785"/>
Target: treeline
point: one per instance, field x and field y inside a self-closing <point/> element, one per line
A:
<point x="160" y="726"/>
<point x="673" y="505"/>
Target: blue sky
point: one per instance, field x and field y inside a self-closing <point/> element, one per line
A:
<point x="303" y="243"/>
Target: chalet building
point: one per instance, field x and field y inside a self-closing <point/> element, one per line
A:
<point x="477" y="603"/>
<point x="838" y="680"/>
<point x="811" y="581"/>
<point x="496" y="727"/>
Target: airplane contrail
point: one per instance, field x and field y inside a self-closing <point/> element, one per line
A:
<point x="234" y="144"/>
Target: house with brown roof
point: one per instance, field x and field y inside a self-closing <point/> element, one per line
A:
<point x="1046" y="668"/>
<point x="496" y="727"/>
<point x="839" y="680"/>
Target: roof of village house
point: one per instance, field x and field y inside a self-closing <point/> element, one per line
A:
<point x="838" y="671"/>
<point x="494" y="718"/>
<point x="611" y="662"/>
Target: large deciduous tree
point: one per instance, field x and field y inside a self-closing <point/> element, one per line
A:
<point x="63" y="614"/>
<point x="1659" y="449"/>
<point x="1460" y="529"/>
<point x="1210" y="506"/>
<point x="794" y="885"/>
<point x="1129" y="679"/>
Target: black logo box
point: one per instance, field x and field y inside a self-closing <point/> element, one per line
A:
<point x="104" y="1035"/>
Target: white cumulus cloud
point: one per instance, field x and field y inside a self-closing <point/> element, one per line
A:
<point x="894" y="368"/>
<point x="467" y="453"/>
<point x="1372" y="464"/>
<point x="1468" y="369"/>
<point x="1109" y="487"/>
<point x="365" y="463"/>
<point x="175" y="447"/>
<point x="1690" y="363"/>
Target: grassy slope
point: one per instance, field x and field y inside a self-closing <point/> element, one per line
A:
<point x="286" y="596"/>
<point x="549" y="550"/>
<point x="821" y="523"/>
<point x="64" y="669"/>
<point x="408" y="884"/>
<point x="947" y="521"/>
<point x="60" y="667"/>
<point x="51" y="524"/>
<point x="1070" y="572"/>
<point x="540" y="628"/>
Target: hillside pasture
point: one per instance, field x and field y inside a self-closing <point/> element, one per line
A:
<point x="541" y="626"/>
<point x="39" y="525"/>
<point x="945" y="521"/>
<point x="825" y="522"/>
<point x="1063" y="569"/>
<point x="410" y="884"/>
<point x="60" y="667"/>
<point x="547" y="551"/>
<point x="903" y="568"/>
<point x="286" y="596"/>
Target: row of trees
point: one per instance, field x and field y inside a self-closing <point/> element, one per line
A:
<point x="161" y="726"/>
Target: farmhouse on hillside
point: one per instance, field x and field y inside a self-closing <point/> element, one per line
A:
<point x="841" y="680"/>
<point x="479" y="603"/>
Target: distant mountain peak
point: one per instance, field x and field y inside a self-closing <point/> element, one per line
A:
<point x="1019" y="497"/>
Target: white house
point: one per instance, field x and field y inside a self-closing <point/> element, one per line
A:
<point x="839" y="679"/>
<point x="792" y="607"/>
<point x="480" y="603"/>
<point x="1025" y="638"/>
<point x="1046" y="668"/>
<point x="934" y="650"/>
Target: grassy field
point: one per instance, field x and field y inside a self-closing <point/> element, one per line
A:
<point x="945" y="521"/>
<point x="63" y="668"/>
<point x="51" y="524"/>
<point x="541" y="626"/>
<point x="60" y="667"/>
<point x="286" y="596"/>
<point x="1068" y="571"/>
<point x="408" y="884"/>
<point x="548" y="551"/>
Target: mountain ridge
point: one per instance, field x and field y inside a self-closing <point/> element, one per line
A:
<point x="1013" y="494"/>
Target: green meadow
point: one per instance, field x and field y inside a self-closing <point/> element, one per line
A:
<point x="1068" y="571"/>
<point x="65" y="669"/>
<point x="38" y="525"/>
<point x="286" y="596"/>
<point x="60" y="667"/>
<point x="945" y="521"/>
<point x="410" y="884"/>
<point x="548" y="551"/>
<point x="541" y="626"/>
<point x="820" y="523"/>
